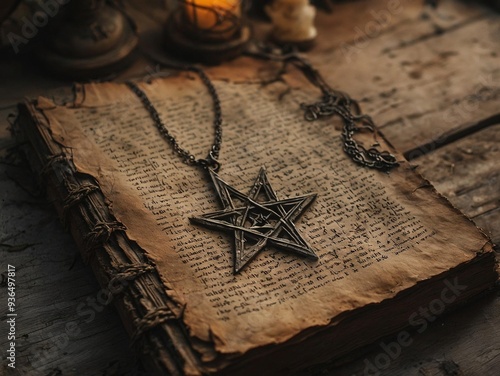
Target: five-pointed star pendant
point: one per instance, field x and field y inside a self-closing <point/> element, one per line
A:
<point x="257" y="224"/>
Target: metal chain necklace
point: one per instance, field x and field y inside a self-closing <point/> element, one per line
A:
<point x="333" y="103"/>
<point x="256" y="222"/>
<point x="338" y="103"/>
<point x="211" y="160"/>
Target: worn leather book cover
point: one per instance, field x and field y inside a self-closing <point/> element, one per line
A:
<point x="386" y="243"/>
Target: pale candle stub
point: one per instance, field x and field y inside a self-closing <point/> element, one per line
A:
<point x="218" y="17"/>
<point x="293" y="20"/>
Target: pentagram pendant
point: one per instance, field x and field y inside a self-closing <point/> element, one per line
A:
<point x="257" y="223"/>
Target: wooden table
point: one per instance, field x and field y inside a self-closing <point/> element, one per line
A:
<point x="431" y="80"/>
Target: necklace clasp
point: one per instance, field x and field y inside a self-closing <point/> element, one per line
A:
<point x="210" y="162"/>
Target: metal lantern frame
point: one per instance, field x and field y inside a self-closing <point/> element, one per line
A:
<point x="227" y="25"/>
<point x="187" y="37"/>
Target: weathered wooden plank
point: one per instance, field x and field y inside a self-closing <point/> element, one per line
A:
<point x="387" y="25"/>
<point x="467" y="172"/>
<point x="452" y="135"/>
<point x="423" y="74"/>
<point x="463" y="343"/>
<point x="420" y="75"/>
<point x="58" y="331"/>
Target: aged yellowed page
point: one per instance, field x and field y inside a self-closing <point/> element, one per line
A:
<point x="375" y="233"/>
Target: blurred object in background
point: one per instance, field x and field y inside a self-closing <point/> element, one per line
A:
<point x="293" y="23"/>
<point x="77" y="39"/>
<point x="209" y="31"/>
<point x="12" y="15"/>
<point x="6" y="8"/>
<point x="91" y="39"/>
<point x="24" y="22"/>
<point x="495" y="4"/>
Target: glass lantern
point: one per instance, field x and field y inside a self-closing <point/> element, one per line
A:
<point x="209" y="31"/>
<point x="212" y="20"/>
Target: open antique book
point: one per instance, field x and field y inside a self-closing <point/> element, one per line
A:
<point x="389" y="248"/>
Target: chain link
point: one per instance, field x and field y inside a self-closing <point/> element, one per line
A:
<point x="333" y="103"/>
<point x="211" y="161"/>
<point x="340" y="104"/>
<point x="337" y="103"/>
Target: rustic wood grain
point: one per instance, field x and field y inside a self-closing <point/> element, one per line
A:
<point x="450" y="168"/>
<point x="423" y="75"/>
<point x="53" y="336"/>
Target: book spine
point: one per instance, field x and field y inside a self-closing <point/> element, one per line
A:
<point x="151" y="317"/>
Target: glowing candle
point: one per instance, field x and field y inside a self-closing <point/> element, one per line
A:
<point x="221" y="18"/>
